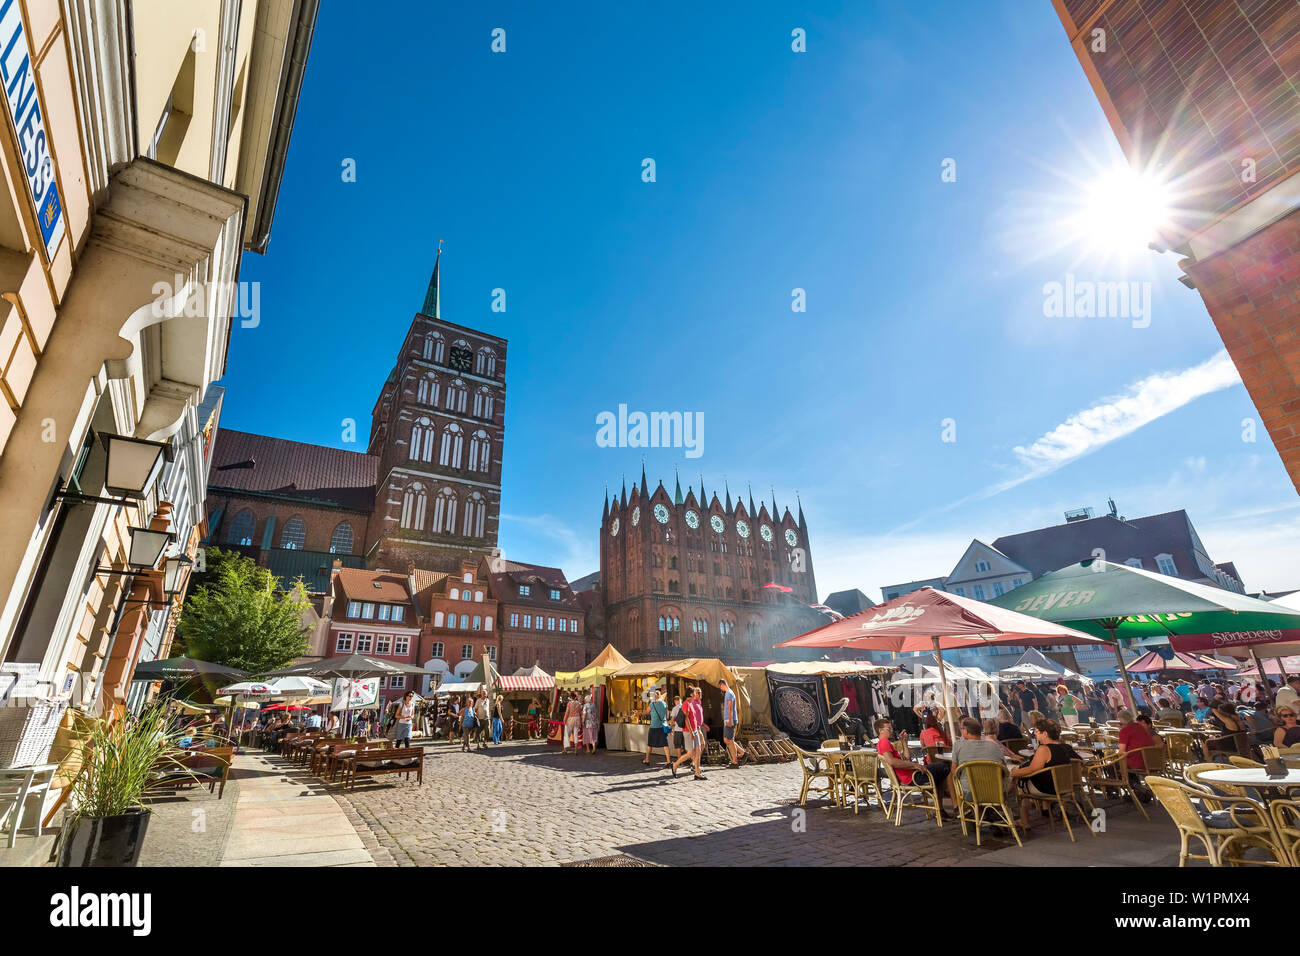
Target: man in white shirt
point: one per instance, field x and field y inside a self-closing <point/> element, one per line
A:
<point x="1288" y="696"/>
<point x="313" y="722"/>
<point x="484" y="715"/>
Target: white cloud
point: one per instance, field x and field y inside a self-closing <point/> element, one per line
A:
<point x="1145" y="401"/>
<point x="1102" y="423"/>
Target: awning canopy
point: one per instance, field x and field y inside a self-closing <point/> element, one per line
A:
<point x="829" y="668"/>
<point x="707" y="669"/>
<point x="526" y="684"/>
<point x="465" y="687"/>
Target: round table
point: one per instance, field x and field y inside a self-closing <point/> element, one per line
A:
<point x="1252" y="777"/>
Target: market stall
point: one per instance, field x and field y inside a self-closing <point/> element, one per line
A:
<point x="629" y="697"/>
<point x="527" y="689"/>
<point x="804" y="695"/>
<point x="589" y="679"/>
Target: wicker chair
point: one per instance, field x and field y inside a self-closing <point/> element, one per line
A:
<point x="1155" y="760"/>
<point x="1183" y="752"/>
<point x="1015" y="744"/>
<point x="1226" y="826"/>
<point x="1286" y="826"/>
<point x="980" y="786"/>
<point x="1062" y="776"/>
<point x="928" y="797"/>
<point x="1112" y="776"/>
<point x="817" y="767"/>
<point x="861" y="778"/>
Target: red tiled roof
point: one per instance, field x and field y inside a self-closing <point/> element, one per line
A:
<point x="242" y="461"/>
<point x="381" y="587"/>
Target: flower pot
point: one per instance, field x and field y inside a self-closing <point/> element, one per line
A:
<point x="105" y="841"/>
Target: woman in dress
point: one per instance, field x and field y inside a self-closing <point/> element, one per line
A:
<point x="591" y="724"/>
<point x="658" y="728"/>
<point x="572" y="724"/>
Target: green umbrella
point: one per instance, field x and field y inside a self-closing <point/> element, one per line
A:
<point x="1123" y="603"/>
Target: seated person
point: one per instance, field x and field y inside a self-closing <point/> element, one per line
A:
<point x="1202" y="711"/>
<point x="971" y="746"/>
<point x="1167" y="713"/>
<point x="1032" y="718"/>
<point x="992" y="731"/>
<point x="1224" y="721"/>
<point x="1134" y="734"/>
<point x="1007" y="730"/>
<point x="906" y="770"/>
<point x="1257" y="723"/>
<point x="847" y="725"/>
<point x="933" y="733"/>
<point x="1288" y="735"/>
<point x="1050" y="753"/>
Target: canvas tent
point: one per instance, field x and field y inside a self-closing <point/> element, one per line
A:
<point x="605" y="663"/>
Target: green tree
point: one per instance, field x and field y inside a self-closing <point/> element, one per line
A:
<point x="238" y="616"/>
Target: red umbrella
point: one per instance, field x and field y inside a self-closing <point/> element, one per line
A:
<point x="1153" y="663"/>
<point x="286" y="707"/>
<point x="936" y="620"/>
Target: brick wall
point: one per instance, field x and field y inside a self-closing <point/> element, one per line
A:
<point x="1252" y="291"/>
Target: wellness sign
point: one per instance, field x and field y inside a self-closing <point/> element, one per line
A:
<point x="18" y="75"/>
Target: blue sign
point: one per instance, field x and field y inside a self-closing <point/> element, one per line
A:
<point x="18" y="74"/>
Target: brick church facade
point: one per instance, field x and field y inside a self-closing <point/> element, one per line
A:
<point x="698" y="576"/>
<point x="426" y="493"/>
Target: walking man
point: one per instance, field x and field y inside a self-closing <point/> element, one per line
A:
<point x="730" y="718"/>
<point x="693" y="709"/>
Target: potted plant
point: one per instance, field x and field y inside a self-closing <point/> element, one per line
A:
<point x="108" y="818"/>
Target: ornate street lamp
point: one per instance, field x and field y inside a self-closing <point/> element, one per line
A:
<point x="131" y="470"/>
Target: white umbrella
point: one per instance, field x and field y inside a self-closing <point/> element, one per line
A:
<point x="249" y="690"/>
<point x="300" y="686"/>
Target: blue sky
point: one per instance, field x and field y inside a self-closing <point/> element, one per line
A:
<point x="775" y="170"/>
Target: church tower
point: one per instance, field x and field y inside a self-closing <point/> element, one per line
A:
<point x="438" y="430"/>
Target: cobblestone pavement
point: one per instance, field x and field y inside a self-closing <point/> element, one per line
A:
<point x="525" y="803"/>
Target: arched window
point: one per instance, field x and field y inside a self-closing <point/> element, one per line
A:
<point x="670" y="625"/>
<point x="454" y="594"/>
<point x="422" y="433"/>
<point x="480" y="451"/>
<point x="341" y="540"/>
<point x="294" y="535"/>
<point x="456" y="396"/>
<point x="241" y="529"/>
<point x="453" y="440"/>
<point x="485" y="363"/>
<point x="444" y="511"/>
<point x="474" y="508"/>
<point x="413" y="504"/>
<point x="727" y="630"/>
<point x="483" y="403"/>
<point x="700" y="627"/>
<point x="752" y="635"/>
<point x="435" y="349"/>
<point x="427" y="390"/>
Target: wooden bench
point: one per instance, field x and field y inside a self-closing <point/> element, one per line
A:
<point x="210" y="765"/>
<point x="370" y="763"/>
<point x="337" y="754"/>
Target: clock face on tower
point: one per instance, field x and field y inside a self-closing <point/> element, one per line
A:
<point x="462" y="360"/>
<point x="742" y="529"/>
<point x="613" y="529"/>
<point x="716" y="524"/>
<point x="692" y="519"/>
<point x="636" y="516"/>
<point x="766" y="533"/>
<point x="790" y="537"/>
<point x="661" y="514"/>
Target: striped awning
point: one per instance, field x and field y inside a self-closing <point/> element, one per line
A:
<point x="526" y="683"/>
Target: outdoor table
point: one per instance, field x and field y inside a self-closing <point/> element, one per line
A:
<point x="1253" y="777"/>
